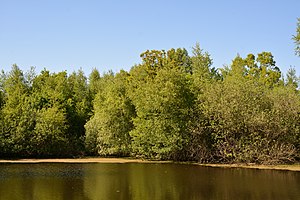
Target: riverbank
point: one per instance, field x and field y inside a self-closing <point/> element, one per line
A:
<point x="81" y="160"/>
<point x="294" y="167"/>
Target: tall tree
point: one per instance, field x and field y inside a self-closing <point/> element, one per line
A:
<point x="94" y="82"/>
<point x="262" y="69"/>
<point x="97" y="86"/>
<point x="179" y="58"/>
<point x="201" y="63"/>
<point x="2" y="92"/>
<point x="162" y="105"/>
<point x="269" y="72"/>
<point x="291" y="78"/>
<point x="112" y="120"/>
<point x="203" y="75"/>
<point x="153" y="60"/>
<point x="79" y="108"/>
<point x="51" y="99"/>
<point x="17" y="116"/>
<point x="296" y="38"/>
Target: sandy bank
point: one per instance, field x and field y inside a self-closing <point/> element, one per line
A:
<point x="295" y="167"/>
<point x="82" y="160"/>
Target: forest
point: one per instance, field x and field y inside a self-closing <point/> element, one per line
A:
<point x="171" y="106"/>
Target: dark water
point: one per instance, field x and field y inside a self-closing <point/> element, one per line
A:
<point x="143" y="181"/>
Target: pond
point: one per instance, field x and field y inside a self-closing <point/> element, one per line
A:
<point x="142" y="181"/>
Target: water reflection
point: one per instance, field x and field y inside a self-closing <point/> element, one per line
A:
<point x="143" y="181"/>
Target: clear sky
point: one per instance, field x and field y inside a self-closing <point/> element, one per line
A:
<point x="72" y="34"/>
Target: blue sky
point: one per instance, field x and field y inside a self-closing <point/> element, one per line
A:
<point x="72" y="34"/>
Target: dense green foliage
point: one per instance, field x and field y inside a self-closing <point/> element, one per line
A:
<point x="43" y="115"/>
<point x="170" y="106"/>
<point x="107" y="132"/>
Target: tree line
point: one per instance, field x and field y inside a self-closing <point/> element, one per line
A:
<point x="171" y="106"/>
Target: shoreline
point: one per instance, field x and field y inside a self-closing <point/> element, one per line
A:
<point x="294" y="167"/>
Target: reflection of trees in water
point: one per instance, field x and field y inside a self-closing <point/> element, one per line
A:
<point x="143" y="181"/>
<point x="175" y="181"/>
<point x="107" y="181"/>
<point x="41" y="182"/>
